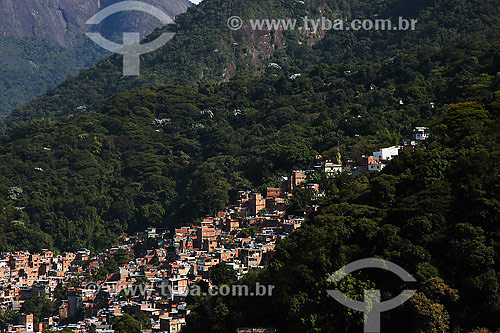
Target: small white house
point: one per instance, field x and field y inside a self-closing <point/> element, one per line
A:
<point x="330" y="168"/>
<point x="386" y="154"/>
<point x="420" y="133"/>
<point x="376" y="167"/>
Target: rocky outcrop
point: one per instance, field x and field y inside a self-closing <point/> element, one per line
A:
<point x="60" y="21"/>
<point x="30" y="59"/>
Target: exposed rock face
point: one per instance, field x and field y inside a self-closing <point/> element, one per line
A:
<point x="60" y="21"/>
<point x="47" y="19"/>
<point x="32" y="31"/>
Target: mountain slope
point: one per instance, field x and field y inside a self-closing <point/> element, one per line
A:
<point x="54" y="21"/>
<point x="435" y="213"/>
<point x="29" y="67"/>
<point x="60" y="22"/>
<point x="165" y="155"/>
<point x="204" y="49"/>
<point x="171" y="154"/>
<point x="42" y="43"/>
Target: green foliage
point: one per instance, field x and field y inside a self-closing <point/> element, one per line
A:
<point x="40" y="308"/>
<point x="222" y="274"/>
<point x="132" y="324"/>
<point x="112" y="264"/>
<point x="204" y="50"/>
<point x="8" y="317"/>
<point x="434" y="212"/>
<point x="29" y="67"/>
<point x="144" y="281"/>
<point x="144" y="320"/>
<point x="170" y="155"/>
<point x="248" y="232"/>
<point x="302" y="197"/>
<point x="127" y="324"/>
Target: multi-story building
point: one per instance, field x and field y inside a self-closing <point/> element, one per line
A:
<point x="256" y="203"/>
<point x="296" y="177"/>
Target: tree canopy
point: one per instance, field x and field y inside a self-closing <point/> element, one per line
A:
<point x="434" y="212"/>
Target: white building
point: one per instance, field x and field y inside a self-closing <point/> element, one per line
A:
<point x="386" y="154"/>
<point x="330" y="168"/>
<point x="376" y="167"/>
<point x="420" y="133"/>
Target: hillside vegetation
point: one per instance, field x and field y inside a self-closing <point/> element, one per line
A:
<point x="28" y="67"/>
<point x="435" y="212"/>
<point x="205" y="50"/>
<point x="171" y="154"/>
<point x="102" y="156"/>
<point x="39" y="51"/>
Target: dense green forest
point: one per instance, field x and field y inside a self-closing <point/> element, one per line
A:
<point x="28" y="67"/>
<point x="435" y="212"/>
<point x="101" y="156"/>
<point x="205" y="50"/>
<point x="171" y="154"/>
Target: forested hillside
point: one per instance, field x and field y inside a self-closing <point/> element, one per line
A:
<point x="204" y="49"/>
<point x="29" y="67"/>
<point x="102" y="156"/>
<point x="171" y="154"/>
<point x="435" y="212"/>
<point x="43" y="43"/>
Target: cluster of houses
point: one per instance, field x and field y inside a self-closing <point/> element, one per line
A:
<point x="243" y="237"/>
<point x="25" y="275"/>
<point x="379" y="159"/>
